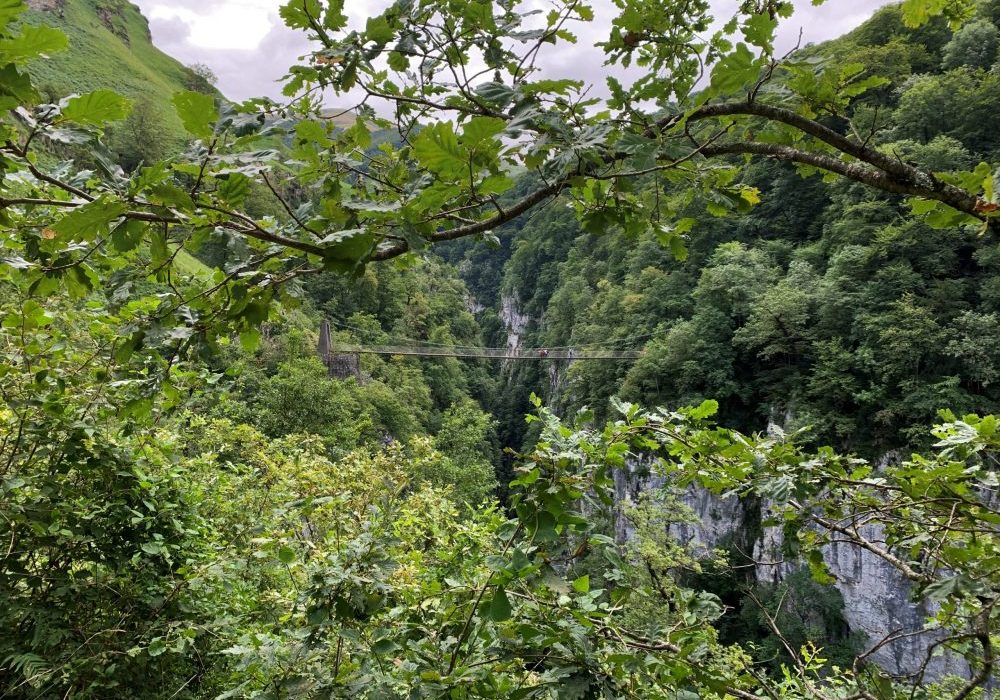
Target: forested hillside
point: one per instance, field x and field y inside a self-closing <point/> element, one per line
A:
<point x="828" y="306"/>
<point x="207" y="492"/>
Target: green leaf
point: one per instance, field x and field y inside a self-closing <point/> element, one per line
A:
<point x="33" y="42"/>
<point x="128" y="235"/>
<point x="495" y="184"/>
<point x="398" y="62"/>
<point x="545" y="530"/>
<point x="90" y="220"/>
<point x="250" y="339"/>
<point x="286" y="555"/>
<point x="127" y="347"/>
<point x="759" y="30"/>
<point x="705" y="409"/>
<point x="233" y="188"/>
<point x="360" y="133"/>
<point x="582" y="584"/>
<point x="919" y="12"/>
<point x="299" y="14"/>
<point x="819" y="570"/>
<point x="480" y="129"/>
<point x="734" y="71"/>
<point x="577" y="687"/>
<point x="437" y="149"/>
<point x="15" y="87"/>
<point x="672" y="238"/>
<point x="170" y="195"/>
<point x="942" y="588"/>
<point x="498" y="609"/>
<point x="384" y="646"/>
<point x="498" y="94"/>
<point x="343" y="250"/>
<point x="9" y="10"/>
<point x="159" y="252"/>
<point x="548" y="87"/>
<point x="197" y="112"/>
<point x="311" y="131"/>
<point x="378" y="30"/>
<point x="32" y="315"/>
<point x="96" y="108"/>
<point x="920" y="207"/>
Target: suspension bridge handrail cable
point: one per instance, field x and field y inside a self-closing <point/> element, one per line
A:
<point x="505" y="353"/>
<point x="402" y="341"/>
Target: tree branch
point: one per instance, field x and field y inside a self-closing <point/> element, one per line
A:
<point x="879" y="179"/>
<point x="498" y="219"/>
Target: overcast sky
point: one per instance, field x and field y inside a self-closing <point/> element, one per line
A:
<point x="246" y="44"/>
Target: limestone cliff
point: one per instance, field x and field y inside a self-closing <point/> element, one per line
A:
<point x="876" y="597"/>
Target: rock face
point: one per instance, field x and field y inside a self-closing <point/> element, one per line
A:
<point x="876" y="597"/>
<point x="514" y="320"/>
<point x="46" y="5"/>
<point x="473" y="304"/>
<point x="876" y="602"/>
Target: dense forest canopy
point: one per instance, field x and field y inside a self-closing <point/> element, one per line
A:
<point x="190" y="506"/>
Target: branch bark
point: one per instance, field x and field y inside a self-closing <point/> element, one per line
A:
<point x="954" y="197"/>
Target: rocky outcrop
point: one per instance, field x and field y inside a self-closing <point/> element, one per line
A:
<point x="717" y="520"/>
<point x="514" y="321"/>
<point x="876" y="597"/>
<point x="473" y="304"/>
<point x="877" y="602"/>
<point x="47" y="5"/>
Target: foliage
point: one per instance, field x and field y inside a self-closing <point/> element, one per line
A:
<point x="974" y="45"/>
<point x="231" y="553"/>
<point x="828" y="268"/>
<point x="342" y="200"/>
<point x="803" y="610"/>
<point x="139" y="139"/>
<point x="201" y="78"/>
<point x="124" y="60"/>
<point x="478" y="611"/>
<point x="102" y="569"/>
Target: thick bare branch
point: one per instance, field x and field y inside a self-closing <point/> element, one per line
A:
<point x="879" y="179"/>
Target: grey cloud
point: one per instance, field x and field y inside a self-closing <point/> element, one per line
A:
<point x="169" y="34"/>
<point x="252" y="73"/>
<point x="242" y="73"/>
<point x="247" y="73"/>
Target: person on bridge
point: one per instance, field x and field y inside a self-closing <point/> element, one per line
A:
<point x="543" y="353"/>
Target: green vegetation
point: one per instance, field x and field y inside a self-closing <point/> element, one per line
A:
<point x="827" y="306"/>
<point x="111" y="49"/>
<point x="194" y="505"/>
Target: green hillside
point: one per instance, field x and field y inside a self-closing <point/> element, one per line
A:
<point x="255" y="442"/>
<point x="111" y="47"/>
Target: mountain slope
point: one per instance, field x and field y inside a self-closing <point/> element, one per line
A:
<point x="111" y="47"/>
<point x="827" y="306"/>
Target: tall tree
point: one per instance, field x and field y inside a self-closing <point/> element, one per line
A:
<point x="469" y="105"/>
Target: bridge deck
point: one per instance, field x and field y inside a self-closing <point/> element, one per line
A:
<point x="488" y="353"/>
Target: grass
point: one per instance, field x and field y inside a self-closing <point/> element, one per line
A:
<point x="191" y="266"/>
<point x="101" y="59"/>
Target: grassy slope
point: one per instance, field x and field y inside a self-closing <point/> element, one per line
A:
<point x="99" y="58"/>
<point x="192" y="266"/>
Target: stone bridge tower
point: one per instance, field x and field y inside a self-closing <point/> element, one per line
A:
<point x="340" y="365"/>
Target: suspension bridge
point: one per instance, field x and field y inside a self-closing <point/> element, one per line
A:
<point x="342" y="358"/>
<point x="486" y="353"/>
